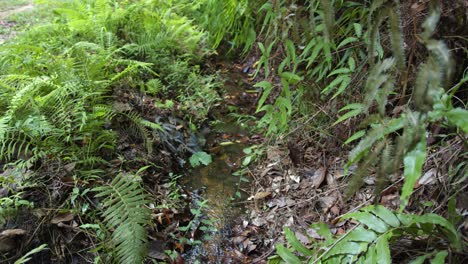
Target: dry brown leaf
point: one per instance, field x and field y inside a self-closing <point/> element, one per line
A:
<point x="391" y="200"/>
<point x="238" y="239"/>
<point x="428" y="178"/>
<point x="261" y="195"/>
<point x="318" y="177"/>
<point x="259" y="221"/>
<point x="70" y="166"/>
<point x="63" y="217"/>
<point x="335" y="210"/>
<point x="327" y="202"/>
<point x="301" y="237"/>
<point x="12" y="233"/>
<point x="314" y="234"/>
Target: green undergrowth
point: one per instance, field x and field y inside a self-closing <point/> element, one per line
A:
<point x="96" y="75"/>
<point x="325" y="64"/>
<point x="58" y="91"/>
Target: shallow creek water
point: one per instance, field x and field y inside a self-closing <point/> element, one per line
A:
<point x="216" y="183"/>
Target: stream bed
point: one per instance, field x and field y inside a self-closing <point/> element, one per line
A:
<point x="216" y="184"/>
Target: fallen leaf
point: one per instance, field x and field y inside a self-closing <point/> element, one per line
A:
<point x="391" y="200"/>
<point x="314" y="234"/>
<point x="70" y="166"/>
<point x="259" y="221"/>
<point x="428" y="178"/>
<point x="295" y="178"/>
<point x="301" y="237"/>
<point x="261" y="195"/>
<point x="318" y="177"/>
<point x="62" y="217"/>
<point x="239" y="239"/>
<point x="12" y="233"/>
<point x="327" y="202"/>
<point x="331" y="179"/>
<point x="335" y="210"/>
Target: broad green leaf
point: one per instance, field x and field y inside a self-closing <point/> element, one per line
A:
<point x="348" y="248"/>
<point x="435" y="219"/>
<point x="246" y="161"/>
<point x="323" y="230"/>
<point x="315" y="52"/>
<point x="351" y="64"/>
<point x="351" y="106"/>
<point x="360" y="234"/>
<point x="348" y="115"/>
<point x="371" y="255"/>
<point x="383" y="250"/>
<point x="459" y="117"/>
<point x="369" y="220"/>
<point x="286" y="255"/>
<point x="199" y="158"/>
<point x="439" y="257"/>
<point x="295" y="243"/>
<point x="413" y="162"/>
<point x="383" y="213"/>
<point x="339" y="71"/>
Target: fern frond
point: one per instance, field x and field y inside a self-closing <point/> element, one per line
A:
<point x="396" y="36"/>
<point x="125" y="215"/>
<point x="328" y="16"/>
<point x="382" y="225"/>
<point x="369" y="241"/>
<point x="139" y="126"/>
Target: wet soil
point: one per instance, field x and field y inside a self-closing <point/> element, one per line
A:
<point x="216" y="182"/>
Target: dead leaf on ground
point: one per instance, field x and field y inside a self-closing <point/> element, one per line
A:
<point x="259" y="221"/>
<point x="314" y="234"/>
<point x="301" y="237"/>
<point x="261" y="195"/>
<point x="295" y="178"/>
<point x="12" y="233"/>
<point x="318" y="177"/>
<point x="428" y="178"/>
<point x="62" y="217"/>
<point x="70" y="166"/>
<point x="391" y="200"/>
<point x="327" y="202"/>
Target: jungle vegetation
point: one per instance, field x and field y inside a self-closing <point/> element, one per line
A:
<point x="97" y="74"/>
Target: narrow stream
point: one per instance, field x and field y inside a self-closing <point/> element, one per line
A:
<point x="216" y="183"/>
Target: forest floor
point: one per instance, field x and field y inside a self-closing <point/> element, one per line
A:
<point x="300" y="179"/>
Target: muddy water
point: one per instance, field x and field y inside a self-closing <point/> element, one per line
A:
<point x="216" y="183"/>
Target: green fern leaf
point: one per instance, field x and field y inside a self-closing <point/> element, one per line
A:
<point x="413" y="162"/>
<point x="126" y="215"/>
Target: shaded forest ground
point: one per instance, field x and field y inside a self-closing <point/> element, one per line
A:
<point x="300" y="177"/>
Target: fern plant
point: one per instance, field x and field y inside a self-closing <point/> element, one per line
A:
<point x="402" y="140"/>
<point x="369" y="241"/>
<point x="125" y="216"/>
